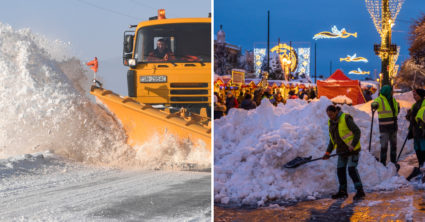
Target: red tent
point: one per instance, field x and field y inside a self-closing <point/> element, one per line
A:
<point x="339" y="84"/>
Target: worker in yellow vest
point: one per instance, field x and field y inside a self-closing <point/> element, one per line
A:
<point x="388" y="110"/>
<point x="416" y="131"/>
<point x="345" y="138"/>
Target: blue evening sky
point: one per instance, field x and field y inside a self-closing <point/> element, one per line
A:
<point x="245" y="24"/>
<point x="95" y="27"/>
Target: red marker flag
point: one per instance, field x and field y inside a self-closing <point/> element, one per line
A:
<point x="93" y="64"/>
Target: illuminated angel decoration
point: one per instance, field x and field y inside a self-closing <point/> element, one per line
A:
<point x="359" y="72"/>
<point x="353" y="58"/>
<point x="334" y="34"/>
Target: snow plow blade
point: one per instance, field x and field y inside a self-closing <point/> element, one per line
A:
<point x="141" y="121"/>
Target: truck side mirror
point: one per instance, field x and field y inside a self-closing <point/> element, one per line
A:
<point x="127" y="47"/>
<point x="128" y="43"/>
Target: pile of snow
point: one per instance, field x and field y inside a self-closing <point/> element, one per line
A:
<point x="342" y="99"/>
<point x="252" y="146"/>
<point x="45" y="106"/>
<point x="405" y="100"/>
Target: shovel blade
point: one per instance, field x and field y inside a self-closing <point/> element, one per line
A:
<point x="297" y="162"/>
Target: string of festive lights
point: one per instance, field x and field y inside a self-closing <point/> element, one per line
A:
<point x="393" y="60"/>
<point x="374" y="7"/>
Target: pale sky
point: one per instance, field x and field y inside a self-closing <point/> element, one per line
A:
<point x="95" y="27"/>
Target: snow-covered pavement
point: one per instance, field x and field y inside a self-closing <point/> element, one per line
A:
<point x="44" y="187"/>
<point x="400" y="205"/>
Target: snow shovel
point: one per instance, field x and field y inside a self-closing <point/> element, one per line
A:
<point x="371" y="129"/>
<point x="399" y="154"/>
<point x="402" y="147"/>
<point x="298" y="161"/>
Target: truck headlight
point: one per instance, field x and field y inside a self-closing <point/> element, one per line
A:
<point x="153" y="79"/>
<point x="132" y="62"/>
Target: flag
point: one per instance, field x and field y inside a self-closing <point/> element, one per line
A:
<point x="93" y="64"/>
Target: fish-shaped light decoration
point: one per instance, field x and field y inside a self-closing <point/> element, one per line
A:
<point x="353" y="58"/>
<point x="359" y="72"/>
<point x="334" y="34"/>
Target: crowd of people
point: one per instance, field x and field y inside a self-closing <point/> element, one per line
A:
<point x="250" y="99"/>
<point x="368" y="92"/>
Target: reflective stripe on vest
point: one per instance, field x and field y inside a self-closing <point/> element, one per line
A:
<point x="344" y="132"/>
<point x="384" y="110"/>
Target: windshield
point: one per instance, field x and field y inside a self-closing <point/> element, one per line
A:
<point x="184" y="42"/>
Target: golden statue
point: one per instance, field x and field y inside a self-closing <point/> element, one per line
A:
<point x="286" y="64"/>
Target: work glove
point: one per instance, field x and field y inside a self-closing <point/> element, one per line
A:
<point x="326" y="156"/>
<point x="374" y="106"/>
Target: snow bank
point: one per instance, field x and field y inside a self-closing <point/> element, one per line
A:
<point x="44" y="105"/>
<point x="342" y="99"/>
<point x="406" y="100"/>
<point x="251" y="147"/>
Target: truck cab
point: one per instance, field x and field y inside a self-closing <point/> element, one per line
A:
<point x="170" y="62"/>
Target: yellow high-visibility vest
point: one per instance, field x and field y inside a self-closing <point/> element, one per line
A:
<point x="421" y="112"/>
<point x="344" y="132"/>
<point x="420" y="116"/>
<point x="384" y="110"/>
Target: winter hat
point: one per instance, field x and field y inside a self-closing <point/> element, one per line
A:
<point x="420" y="92"/>
<point x="386" y="91"/>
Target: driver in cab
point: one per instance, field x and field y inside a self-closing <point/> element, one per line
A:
<point x="161" y="53"/>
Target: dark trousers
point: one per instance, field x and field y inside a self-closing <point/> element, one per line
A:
<point x="385" y="138"/>
<point x="350" y="161"/>
<point x="419" y="146"/>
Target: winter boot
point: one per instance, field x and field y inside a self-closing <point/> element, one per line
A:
<point x="359" y="195"/>
<point x="416" y="171"/>
<point x="342" y="194"/>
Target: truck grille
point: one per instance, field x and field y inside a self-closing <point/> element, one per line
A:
<point x="188" y="85"/>
<point x="189" y="99"/>
<point x="188" y="92"/>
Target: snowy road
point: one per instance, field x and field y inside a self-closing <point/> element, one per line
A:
<point x="406" y="204"/>
<point x="52" y="190"/>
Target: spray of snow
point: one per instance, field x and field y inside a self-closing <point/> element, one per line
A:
<point x="44" y="105"/>
<point x="166" y="152"/>
<point x="252" y="146"/>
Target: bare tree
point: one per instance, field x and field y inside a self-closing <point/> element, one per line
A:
<point x="412" y="73"/>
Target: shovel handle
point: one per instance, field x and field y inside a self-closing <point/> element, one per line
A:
<point x="320" y="158"/>
<point x="371" y="129"/>
<point x="402" y="147"/>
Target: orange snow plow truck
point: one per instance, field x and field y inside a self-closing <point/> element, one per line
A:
<point x="169" y="81"/>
